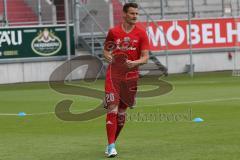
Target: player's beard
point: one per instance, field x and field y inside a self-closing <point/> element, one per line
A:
<point x="132" y="21"/>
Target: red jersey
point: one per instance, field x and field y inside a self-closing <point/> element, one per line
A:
<point x="125" y="46"/>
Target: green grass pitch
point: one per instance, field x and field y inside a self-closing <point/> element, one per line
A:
<point x="215" y="97"/>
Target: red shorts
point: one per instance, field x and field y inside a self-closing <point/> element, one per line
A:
<point x="120" y="91"/>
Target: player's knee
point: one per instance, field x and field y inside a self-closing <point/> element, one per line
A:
<point x="112" y="109"/>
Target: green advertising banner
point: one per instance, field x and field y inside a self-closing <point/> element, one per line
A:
<point x="46" y="41"/>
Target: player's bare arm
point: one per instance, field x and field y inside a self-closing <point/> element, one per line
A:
<point x="142" y="60"/>
<point x="107" y="55"/>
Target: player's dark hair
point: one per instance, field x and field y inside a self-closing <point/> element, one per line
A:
<point x="128" y="5"/>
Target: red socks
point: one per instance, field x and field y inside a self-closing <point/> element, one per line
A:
<point x="115" y="122"/>
<point x="111" y="126"/>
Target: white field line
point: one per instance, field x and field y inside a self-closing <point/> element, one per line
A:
<point x="154" y="105"/>
<point x="196" y="101"/>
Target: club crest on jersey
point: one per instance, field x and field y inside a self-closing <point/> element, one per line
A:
<point x="127" y="39"/>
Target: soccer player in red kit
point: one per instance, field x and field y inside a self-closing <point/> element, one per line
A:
<point x="126" y="47"/>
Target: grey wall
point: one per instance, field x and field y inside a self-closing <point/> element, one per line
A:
<point x="203" y="62"/>
<point x="41" y="71"/>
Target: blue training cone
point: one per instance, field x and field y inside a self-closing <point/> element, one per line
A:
<point x="197" y="120"/>
<point x="22" y="114"/>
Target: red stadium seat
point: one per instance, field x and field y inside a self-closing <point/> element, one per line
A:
<point x="19" y="13"/>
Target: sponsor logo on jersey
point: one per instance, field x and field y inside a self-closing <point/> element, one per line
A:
<point x="126" y="44"/>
